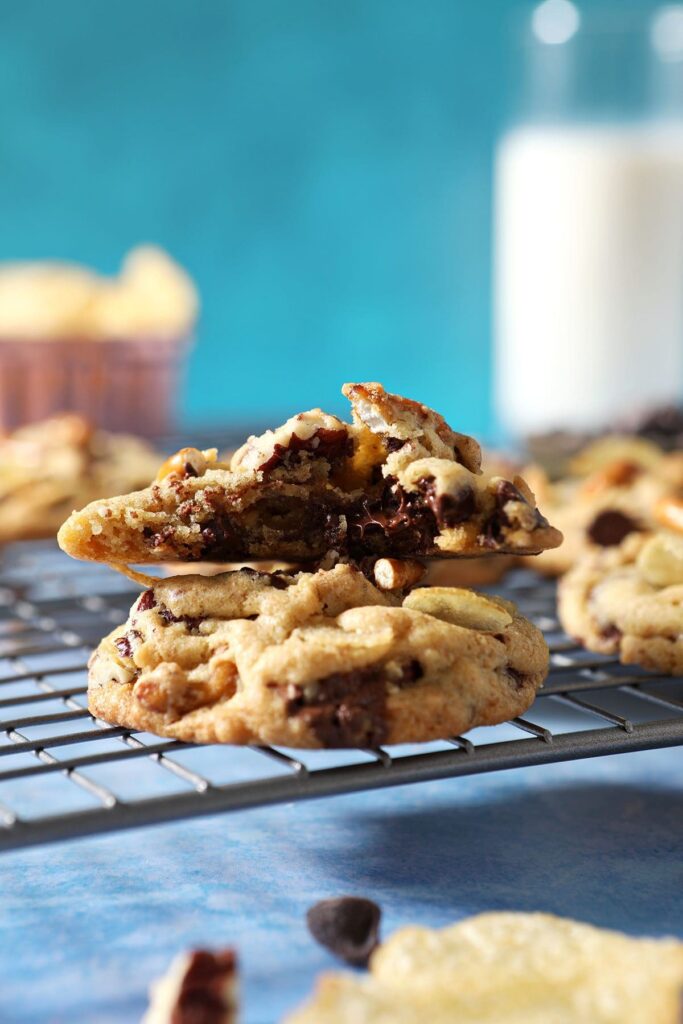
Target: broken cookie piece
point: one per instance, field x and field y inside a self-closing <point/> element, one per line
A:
<point x="317" y="659"/>
<point x="507" y="968"/>
<point x="396" y="482"/>
<point x="199" y="988"/>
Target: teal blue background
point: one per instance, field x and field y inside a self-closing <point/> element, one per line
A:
<point x="321" y="166"/>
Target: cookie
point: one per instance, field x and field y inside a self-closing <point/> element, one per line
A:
<point x="507" y="968"/>
<point x="48" y="467"/>
<point x="200" y="987"/>
<point x="611" y="490"/>
<point x="396" y="482"/>
<point x="628" y="601"/>
<point x="322" y="659"/>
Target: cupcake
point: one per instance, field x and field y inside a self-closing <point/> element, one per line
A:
<point x="111" y="349"/>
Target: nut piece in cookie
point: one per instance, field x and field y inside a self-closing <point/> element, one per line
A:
<point x="397" y="482"/>
<point x="199" y="988"/>
<point x="629" y="601"/>
<point x="314" y="659"/>
<point x="507" y="968"/>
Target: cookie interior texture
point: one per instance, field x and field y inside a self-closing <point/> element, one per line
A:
<point x="611" y="490"/>
<point x="397" y="481"/>
<point x="629" y="601"/>
<point x="48" y="467"/>
<point x="507" y="968"/>
<point x="320" y="659"/>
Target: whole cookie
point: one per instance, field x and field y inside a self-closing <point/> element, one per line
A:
<point x="629" y="601"/>
<point x="320" y="659"/>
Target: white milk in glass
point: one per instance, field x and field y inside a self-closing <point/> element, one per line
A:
<point x="589" y="273"/>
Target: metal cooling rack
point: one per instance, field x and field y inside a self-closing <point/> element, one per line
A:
<point x="64" y="774"/>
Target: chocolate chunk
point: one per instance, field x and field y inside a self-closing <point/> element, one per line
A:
<point x="204" y="996"/>
<point x="192" y="622"/>
<point x="610" y="527"/>
<point x="122" y="644"/>
<point x="506" y="491"/>
<point x="611" y="632"/>
<point x="395" y="522"/>
<point x="392" y="444"/>
<point x="347" y="926"/>
<point x="348" y="709"/>
<point x="333" y="445"/>
<point x="146" y="601"/>
<point x="221" y="539"/>
<point x="449" y="509"/>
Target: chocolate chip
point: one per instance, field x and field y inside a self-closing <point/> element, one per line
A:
<point x="610" y="527"/>
<point x="395" y="521"/>
<point x="146" y="601"/>
<point x="449" y="509"/>
<point x="347" y="926"/>
<point x="348" y="709"/>
<point x="192" y="622"/>
<point x="122" y="644"/>
<point x="493" y="533"/>
<point x="392" y="444"/>
<point x="333" y="445"/>
<point x="611" y="632"/>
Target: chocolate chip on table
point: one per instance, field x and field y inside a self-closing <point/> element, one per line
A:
<point x="610" y="527"/>
<point x="348" y="926"/>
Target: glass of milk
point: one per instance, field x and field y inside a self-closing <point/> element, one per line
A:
<point x="589" y="224"/>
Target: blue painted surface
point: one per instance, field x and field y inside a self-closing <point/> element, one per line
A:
<point x="85" y="926"/>
<point x="323" y="169"/>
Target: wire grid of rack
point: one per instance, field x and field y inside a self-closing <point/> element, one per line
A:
<point x="64" y="774"/>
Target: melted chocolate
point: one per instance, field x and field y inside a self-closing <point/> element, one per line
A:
<point x="333" y="445"/>
<point x="191" y="621"/>
<point x="449" y="509"/>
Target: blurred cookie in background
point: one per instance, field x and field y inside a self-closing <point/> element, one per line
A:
<point x="49" y="468"/>
<point x="612" y="488"/>
<point x="627" y="601"/>
<point x="553" y="451"/>
<point x="110" y="348"/>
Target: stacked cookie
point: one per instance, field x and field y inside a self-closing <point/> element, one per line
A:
<point x="351" y="651"/>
